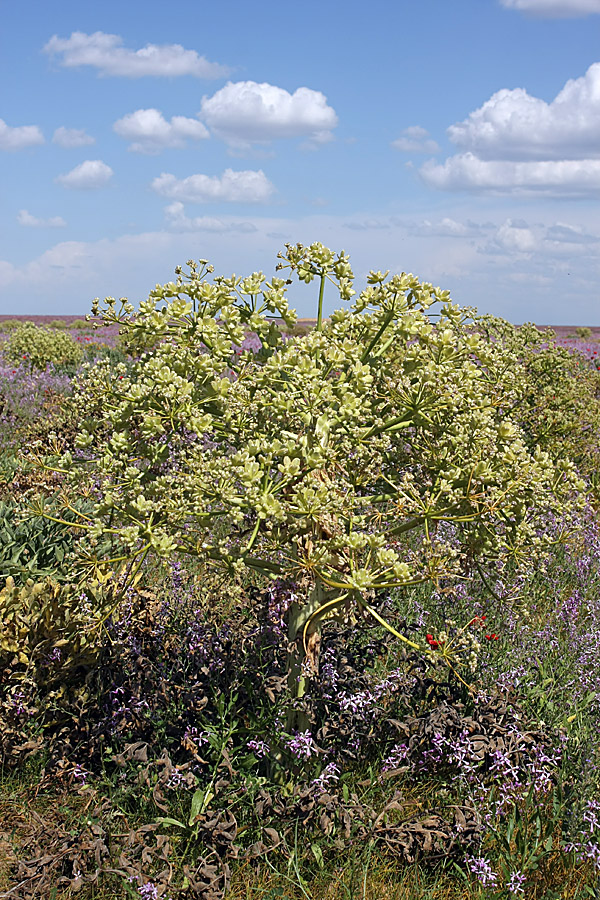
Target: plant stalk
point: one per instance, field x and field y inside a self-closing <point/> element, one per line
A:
<point x="320" y="308"/>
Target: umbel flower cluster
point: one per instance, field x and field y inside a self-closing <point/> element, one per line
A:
<point x="336" y="459"/>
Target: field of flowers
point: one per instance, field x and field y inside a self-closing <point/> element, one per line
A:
<point x="292" y="612"/>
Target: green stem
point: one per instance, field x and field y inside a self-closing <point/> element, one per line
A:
<point x="388" y="318"/>
<point x="389" y="627"/>
<point x="320" y="309"/>
<point x="253" y="536"/>
<point x="486" y="583"/>
<point x="396" y="423"/>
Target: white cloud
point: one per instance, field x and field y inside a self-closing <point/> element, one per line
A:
<point x="25" y="218"/>
<point x="514" y="125"/>
<point x="570" y="234"/>
<point x="465" y="172"/>
<point x="515" y="237"/>
<point x="230" y="187"/>
<point x="19" y="137"/>
<point x="517" y="143"/>
<point x="554" y="9"/>
<point x="92" y="173"/>
<point x="548" y="245"/>
<point x="72" y="137"/>
<point x="151" y="132"/>
<point x="244" y="112"/>
<point x="445" y="227"/>
<point x="106" y="54"/>
<point x="178" y="221"/>
<point x="317" y="140"/>
<point x="415" y="140"/>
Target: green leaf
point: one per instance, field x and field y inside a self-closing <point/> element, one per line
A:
<point x="200" y="801"/>
<point x="318" y="855"/>
<point x="167" y="820"/>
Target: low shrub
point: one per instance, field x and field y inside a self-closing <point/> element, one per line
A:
<point x="36" y="347"/>
<point x="48" y="634"/>
<point x="554" y="392"/>
<point x="10" y="324"/>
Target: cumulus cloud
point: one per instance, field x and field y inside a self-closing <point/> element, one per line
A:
<point x="72" y="137"/>
<point x="230" y="187"/>
<point x="515" y="237"/>
<point x="151" y="132"/>
<point x="514" y="125"/>
<point x="25" y="218"/>
<point x="245" y="112"/>
<point x="549" y="245"/>
<point x="93" y="173"/>
<point x="105" y="52"/>
<point x="16" y="138"/>
<point x="415" y="140"/>
<point x="554" y="9"/>
<point x="466" y="172"/>
<point x="519" y="143"/>
<point x="177" y="220"/>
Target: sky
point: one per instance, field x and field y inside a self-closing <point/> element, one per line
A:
<point x="458" y="141"/>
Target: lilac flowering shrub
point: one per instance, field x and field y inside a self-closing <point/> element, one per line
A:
<point x="26" y="397"/>
<point x="198" y="695"/>
<point x="397" y="751"/>
<point x="538" y="633"/>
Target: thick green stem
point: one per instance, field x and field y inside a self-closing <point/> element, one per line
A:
<point x="320" y="309"/>
<point x="388" y="318"/>
<point x="394" y="424"/>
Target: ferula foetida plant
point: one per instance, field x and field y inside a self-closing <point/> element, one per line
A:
<point x="37" y="347"/>
<point x="376" y="451"/>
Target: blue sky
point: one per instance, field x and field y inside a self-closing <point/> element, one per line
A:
<point x="459" y="141"/>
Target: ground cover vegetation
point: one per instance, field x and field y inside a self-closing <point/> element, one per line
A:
<point x="292" y="612"/>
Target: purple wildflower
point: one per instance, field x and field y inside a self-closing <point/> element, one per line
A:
<point x="302" y="745"/>
<point x="481" y="869"/>
<point x="515" y="883"/>
<point x="398" y="753"/>
<point x="260" y="748"/>
<point x="328" y="776"/>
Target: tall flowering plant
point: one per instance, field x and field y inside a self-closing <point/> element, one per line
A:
<point x="331" y="459"/>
